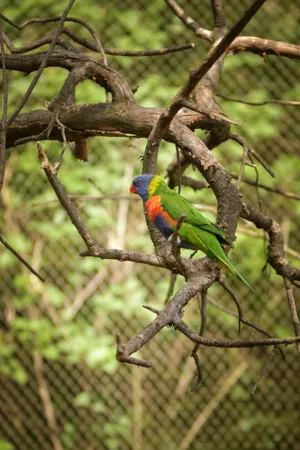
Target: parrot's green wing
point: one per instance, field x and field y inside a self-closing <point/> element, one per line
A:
<point x="176" y="205"/>
<point x="208" y="243"/>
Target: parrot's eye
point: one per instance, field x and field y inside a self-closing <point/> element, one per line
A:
<point x="138" y="183"/>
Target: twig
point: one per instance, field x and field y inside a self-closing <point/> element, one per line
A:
<point x="214" y="115"/>
<point x="238" y="343"/>
<point x="49" y="20"/>
<point x="123" y="255"/>
<point x="65" y="144"/>
<point x="171" y="287"/>
<point x="262" y="186"/>
<point x="194" y="353"/>
<point x="150" y="308"/>
<point x="130" y="53"/>
<point x="198" y="184"/>
<point x="38" y="43"/>
<point x="293" y="309"/>
<point x="240" y="140"/>
<point x="240" y="316"/>
<point x="64" y="199"/>
<point x="175" y="241"/>
<point x="4" y="115"/>
<point x="218" y="14"/>
<point x="175" y="236"/>
<point x="259" y="200"/>
<point x="189" y="22"/>
<point x="266" y="102"/>
<point x="264" y="369"/>
<point x="43" y="64"/>
<point x="242" y="169"/>
<point x="129" y="359"/>
<point x="179" y="169"/>
<point x="20" y="258"/>
<point x="139" y="53"/>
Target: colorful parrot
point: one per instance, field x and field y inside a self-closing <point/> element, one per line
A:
<point x="164" y="208"/>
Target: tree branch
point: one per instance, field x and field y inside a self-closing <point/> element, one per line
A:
<point x="189" y="22"/>
<point x="42" y="66"/>
<point x="276" y="254"/>
<point x="195" y="76"/>
<point x="4" y="114"/>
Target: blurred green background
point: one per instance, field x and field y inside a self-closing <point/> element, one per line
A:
<point x="60" y="384"/>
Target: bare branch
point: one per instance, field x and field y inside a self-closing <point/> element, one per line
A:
<point x="141" y="53"/>
<point x="276" y="255"/>
<point x="37" y="44"/>
<point x="212" y="114"/>
<point x="4" y="115"/>
<point x="42" y="66"/>
<point x="194" y="353"/>
<point x="130" y="53"/>
<point x="218" y="14"/>
<point x="123" y="255"/>
<point x="50" y="20"/>
<point x="240" y="316"/>
<point x="290" y="195"/>
<point x="264" y="369"/>
<point x="239" y="343"/>
<point x="175" y="236"/>
<point x="266" y="102"/>
<point x="293" y="309"/>
<point x="166" y="118"/>
<point x="264" y="47"/>
<point x="20" y="258"/>
<point x="64" y="199"/>
<point x="240" y="140"/>
<point x="189" y="22"/>
<point x="243" y="164"/>
<point x="129" y="359"/>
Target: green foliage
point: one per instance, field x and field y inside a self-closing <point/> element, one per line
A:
<point x="10" y="365"/>
<point x="4" y="445"/>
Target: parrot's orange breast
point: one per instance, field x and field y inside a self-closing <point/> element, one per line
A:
<point x="155" y="211"/>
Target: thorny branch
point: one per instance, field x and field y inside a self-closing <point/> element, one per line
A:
<point x="70" y="122"/>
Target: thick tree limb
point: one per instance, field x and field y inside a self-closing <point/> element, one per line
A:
<point x="263" y="47"/>
<point x="276" y="254"/>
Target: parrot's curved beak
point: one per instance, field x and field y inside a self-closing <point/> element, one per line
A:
<point x="132" y="190"/>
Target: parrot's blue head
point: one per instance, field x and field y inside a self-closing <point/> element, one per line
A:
<point x="140" y="186"/>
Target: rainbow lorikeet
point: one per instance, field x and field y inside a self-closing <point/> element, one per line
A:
<point x="165" y="207"/>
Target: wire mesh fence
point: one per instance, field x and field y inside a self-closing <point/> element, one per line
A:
<point x="60" y="385"/>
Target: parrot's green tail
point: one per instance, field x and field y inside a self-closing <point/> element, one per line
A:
<point x="230" y="267"/>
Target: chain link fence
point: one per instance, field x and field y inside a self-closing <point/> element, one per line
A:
<point x="61" y="388"/>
